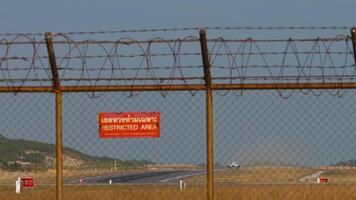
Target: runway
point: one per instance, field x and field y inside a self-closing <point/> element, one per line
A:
<point x="138" y="177"/>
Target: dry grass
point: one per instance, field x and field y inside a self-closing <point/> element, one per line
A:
<point x="341" y="175"/>
<point x="244" y="175"/>
<point x="40" y="177"/>
<point x="49" y="176"/>
<point x="227" y="187"/>
<point x="241" y="192"/>
<point x="259" y="175"/>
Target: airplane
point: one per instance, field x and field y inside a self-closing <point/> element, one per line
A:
<point x="233" y="165"/>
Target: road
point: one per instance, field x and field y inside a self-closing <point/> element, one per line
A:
<point x="138" y="177"/>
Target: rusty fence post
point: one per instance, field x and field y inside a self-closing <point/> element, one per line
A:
<point x="58" y="92"/>
<point x="353" y="38"/>
<point x="209" y="115"/>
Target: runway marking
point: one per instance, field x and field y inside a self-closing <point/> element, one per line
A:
<point x="180" y="177"/>
<point x="188" y="175"/>
<point x="311" y="176"/>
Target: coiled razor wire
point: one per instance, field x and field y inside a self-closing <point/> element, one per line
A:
<point x="166" y="61"/>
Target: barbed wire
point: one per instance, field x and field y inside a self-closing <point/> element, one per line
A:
<point x="175" y="29"/>
<point x="192" y="40"/>
<point x="185" y="67"/>
<point x="168" y="54"/>
<point x="160" y="61"/>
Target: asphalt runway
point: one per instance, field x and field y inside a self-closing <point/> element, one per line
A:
<point x="138" y="177"/>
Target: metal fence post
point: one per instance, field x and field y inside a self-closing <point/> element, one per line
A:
<point x="58" y="92"/>
<point x="353" y="38"/>
<point x="209" y="115"/>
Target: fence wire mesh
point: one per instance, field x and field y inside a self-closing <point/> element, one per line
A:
<point x="282" y="146"/>
<point x="283" y="113"/>
<point x="152" y="165"/>
<point x="27" y="144"/>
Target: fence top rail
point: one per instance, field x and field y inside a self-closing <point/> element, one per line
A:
<point x="196" y="87"/>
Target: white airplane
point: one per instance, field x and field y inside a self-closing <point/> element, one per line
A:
<point x="233" y="165"/>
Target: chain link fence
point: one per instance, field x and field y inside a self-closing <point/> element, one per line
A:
<point x="27" y="144"/>
<point x="152" y="165"/>
<point x="284" y="146"/>
<point x="283" y="115"/>
<point x="281" y="146"/>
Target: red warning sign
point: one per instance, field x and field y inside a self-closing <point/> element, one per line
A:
<point x="129" y="124"/>
<point x="323" y="180"/>
<point x="27" y="182"/>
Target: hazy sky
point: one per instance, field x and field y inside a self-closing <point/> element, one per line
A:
<point x="74" y="15"/>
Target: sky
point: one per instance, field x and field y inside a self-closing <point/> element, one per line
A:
<point x="187" y="135"/>
<point x="82" y="15"/>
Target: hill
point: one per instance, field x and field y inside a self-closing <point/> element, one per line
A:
<point x="20" y="154"/>
<point x="350" y="163"/>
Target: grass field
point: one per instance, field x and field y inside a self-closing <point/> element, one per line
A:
<point x="341" y="175"/>
<point x="242" y="192"/>
<point x="49" y="176"/>
<point x="258" y="175"/>
<point x="280" y="175"/>
<point x="254" y="183"/>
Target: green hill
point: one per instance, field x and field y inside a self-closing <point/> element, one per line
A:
<point x="20" y="154"/>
